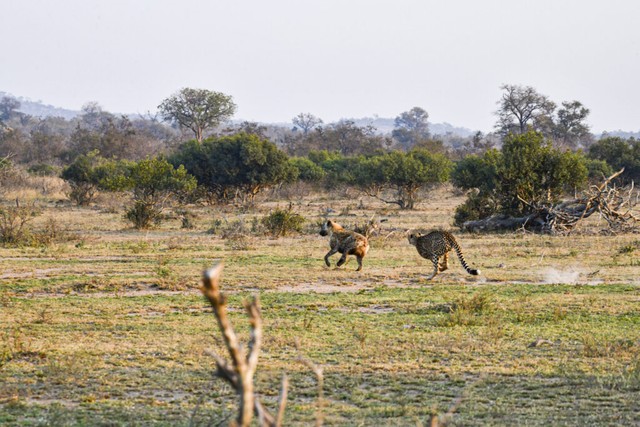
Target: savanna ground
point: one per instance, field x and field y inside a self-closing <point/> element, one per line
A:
<point x="107" y="325"/>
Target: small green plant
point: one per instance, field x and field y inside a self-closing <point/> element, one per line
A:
<point x="559" y="314"/>
<point x="600" y="346"/>
<point x="186" y="218"/>
<point x="360" y="332"/>
<point x="14" y="223"/>
<point x="139" y="247"/>
<point x="629" y="249"/>
<point x="240" y="242"/>
<point x="144" y="215"/>
<point x="44" y="315"/>
<point x="465" y="310"/>
<point x="216" y="226"/>
<point x="283" y="221"/>
<point x="15" y="344"/>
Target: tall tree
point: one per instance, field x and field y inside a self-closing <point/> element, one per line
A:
<point x="345" y="137"/>
<point x="570" y="129"/>
<point x="8" y="107"/>
<point x="197" y="109"/>
<point x="306" y="122"/>
<point x="522" y="107"/>
<point x="411" y="127"/>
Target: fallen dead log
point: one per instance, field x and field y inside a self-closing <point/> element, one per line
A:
<point x="564" y="217"/>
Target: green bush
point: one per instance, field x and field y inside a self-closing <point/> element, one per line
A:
<point x="144" y="215"/>
<point x="402" y="173"/>
<point x="241" y="164"/>
<point x="282" y="222"/>
<point x="527" y="168"/>
<point x="308" y="171"/>
<point x="14" y="223"/>
<point x="44" y="169"/>
<point x="619" y="153"/>
<point x="153" y="183"/>
<point x="476" y="207"/>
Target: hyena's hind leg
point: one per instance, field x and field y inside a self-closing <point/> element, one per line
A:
<point x="434" y="260"/>
<point x="444" y="264"/>
<point x="344" y="259"/>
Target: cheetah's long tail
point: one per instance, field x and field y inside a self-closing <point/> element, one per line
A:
<point x="470" y="270"/>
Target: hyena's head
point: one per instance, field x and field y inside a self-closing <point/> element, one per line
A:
<point x="413" y="238"/>
<point x="326" y="228"/>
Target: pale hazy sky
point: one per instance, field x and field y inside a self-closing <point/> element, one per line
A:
<point x="332" y="58"/>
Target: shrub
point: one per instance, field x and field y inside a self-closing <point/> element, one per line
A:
<point x="527" y="168"/>
<point x="475" y="207"/>
<point x="44" y="169"/>
<point x="403" y="173"/>
<point x="14" y="221"/>
<point x="283" y="221"/>
<point x="152" y="182"/>
<point x="619" y="153"/>
<point x="308" y="171"/>
<point x="241" y="165"/>
<point x="83" y="178"/>
<point x="143" y="215"/>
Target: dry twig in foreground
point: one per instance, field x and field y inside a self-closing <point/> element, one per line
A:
<point x="243" y="367"/>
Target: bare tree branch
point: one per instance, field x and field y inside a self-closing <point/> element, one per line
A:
<point x="239" y="374"/>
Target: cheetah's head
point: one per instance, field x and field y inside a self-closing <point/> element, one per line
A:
<point x="413" y="238"/>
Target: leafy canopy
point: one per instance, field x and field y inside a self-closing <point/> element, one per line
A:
<point x="197" y="109"/>
<point x="242" y="163"/>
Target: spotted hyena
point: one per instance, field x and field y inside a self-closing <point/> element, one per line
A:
<point x="344" y="241"/>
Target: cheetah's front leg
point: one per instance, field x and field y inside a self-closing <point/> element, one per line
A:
<point x="434" y="260"/>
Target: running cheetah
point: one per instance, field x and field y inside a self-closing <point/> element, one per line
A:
<point x="435" y="245"/>
<point x="344" y="241"/>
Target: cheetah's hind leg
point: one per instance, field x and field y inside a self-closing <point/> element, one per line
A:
<point x="444" y="264"/>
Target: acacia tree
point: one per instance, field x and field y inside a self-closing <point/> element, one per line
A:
<point x="570" y="129"/>
<point x="197" y="109"/>
<point x="344" y="137"/>
<point x="306" y="122"/>
<point x="522" y="107"/>
<point x="411" y="127"/>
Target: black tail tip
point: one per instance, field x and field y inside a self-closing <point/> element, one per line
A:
<point x="474" y="272"/>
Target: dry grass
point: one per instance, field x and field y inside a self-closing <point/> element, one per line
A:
<point x="107" y="326"/>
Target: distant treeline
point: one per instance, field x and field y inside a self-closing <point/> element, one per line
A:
<point x="537" y="152"/>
